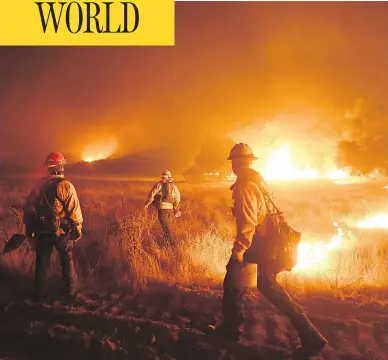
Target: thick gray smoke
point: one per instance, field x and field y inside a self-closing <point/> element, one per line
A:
<point x="365" y="138"/>
<point x="212" y="158"/>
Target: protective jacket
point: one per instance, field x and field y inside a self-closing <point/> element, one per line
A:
<point x="164" y="196"/>
<point x="57" y="194"/>
<point x="250" y="209"/>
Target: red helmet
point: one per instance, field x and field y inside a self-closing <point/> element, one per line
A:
<point x="54" y="159"/>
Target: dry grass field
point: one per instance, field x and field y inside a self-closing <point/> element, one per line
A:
<point x="141" y="299"/>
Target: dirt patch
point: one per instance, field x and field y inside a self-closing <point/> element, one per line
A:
<point x="170" y="322"/>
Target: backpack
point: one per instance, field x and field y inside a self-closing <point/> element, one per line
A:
<point x="46" y="219"/>
<point x="167" y="190"/>
<point x="165" y="195"/>
<point x="278" y="250"/>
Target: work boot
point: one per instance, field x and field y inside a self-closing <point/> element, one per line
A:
<point x="312" y="345"/>
<point x="312" y="340"/>
<point x="70" y="291"/>
<point x="228" y="332"/>
<point x="37" y="295"/>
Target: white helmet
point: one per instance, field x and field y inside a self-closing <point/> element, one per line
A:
<point x="167" y="175"/>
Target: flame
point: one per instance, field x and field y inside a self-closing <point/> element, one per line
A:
<point x="378" y="221"/>
<point x="314" y="256"/>
<point x="99" y="150"/>
<point x="337" y="174"/>
<point x="280" y="166"/>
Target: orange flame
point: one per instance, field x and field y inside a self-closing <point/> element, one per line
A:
<point x="315" y="256"/>
<point x="99" y="150"/>
<point x="377" y="221"/>
<point x="280" y="166"/>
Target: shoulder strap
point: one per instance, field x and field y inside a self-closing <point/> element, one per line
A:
<point x="55" y="182"/>
<point x="269" y="198"/>
<point x="257" y="179"/>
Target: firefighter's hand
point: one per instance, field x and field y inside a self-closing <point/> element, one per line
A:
<point x="75" y="234"/>
<point x="29" y="232"/>
<point x="237" y="256"/>
<point x="28" y="227"/>
<point x="146" y="207"/>
<point x="235" y="263"/>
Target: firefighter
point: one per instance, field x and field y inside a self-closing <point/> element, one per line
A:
<point x="53" y="217"/>
<point x="250" y="212"/>
<point x="166" y="198"/>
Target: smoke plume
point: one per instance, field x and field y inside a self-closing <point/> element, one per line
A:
<point x="365" y="138"/>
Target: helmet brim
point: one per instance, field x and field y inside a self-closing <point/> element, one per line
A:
<point x="54" y="165"/>
<point x="249" y="157"/>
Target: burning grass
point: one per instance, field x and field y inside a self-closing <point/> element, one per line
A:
<point x="124" y="246"/>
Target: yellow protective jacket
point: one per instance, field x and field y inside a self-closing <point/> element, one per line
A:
<point x="66" y="204"/>
<point x="250" y="209"/>
<point x="157" y="191"/>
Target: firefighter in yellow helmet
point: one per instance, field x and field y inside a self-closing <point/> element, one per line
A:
<point x="165" y="196"/>
<point x="53" y="217"/>
<point x="250" y="211"/>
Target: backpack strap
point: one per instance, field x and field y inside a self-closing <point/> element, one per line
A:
<point x="269" y="198"/>
<point x="257" y="179"/>
<point x="54" y="183"/>
<point x="278" y="214"/>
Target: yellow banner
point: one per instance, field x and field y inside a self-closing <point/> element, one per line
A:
<point x="87" y="23"/>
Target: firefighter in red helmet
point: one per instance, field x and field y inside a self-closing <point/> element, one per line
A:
<point x="53" y="217"/>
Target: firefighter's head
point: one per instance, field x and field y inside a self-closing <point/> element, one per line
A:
<point x="55" y="163"/>
<point x="166" y="176"/>
<point x="242" y="157"/>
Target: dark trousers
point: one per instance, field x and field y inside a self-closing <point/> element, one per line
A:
<point x="43" y="250"/>
<point x="165" y="217"/>
<point x="272" y="291"/>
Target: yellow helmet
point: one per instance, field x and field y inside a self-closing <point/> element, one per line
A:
<point x="241" y="151"/>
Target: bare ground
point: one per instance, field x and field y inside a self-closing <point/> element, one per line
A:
<point x="172" y="322"/>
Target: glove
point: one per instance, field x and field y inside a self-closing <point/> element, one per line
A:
<point x="29" y="233"/>
<point x="235" y="263"/>
<point x="75" y="234"/>
<point x="237" y="256"/>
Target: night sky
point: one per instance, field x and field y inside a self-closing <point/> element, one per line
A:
<point x="232" y="64"/>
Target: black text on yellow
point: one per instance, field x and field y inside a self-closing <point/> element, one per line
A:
<point x="86" y="11"/>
